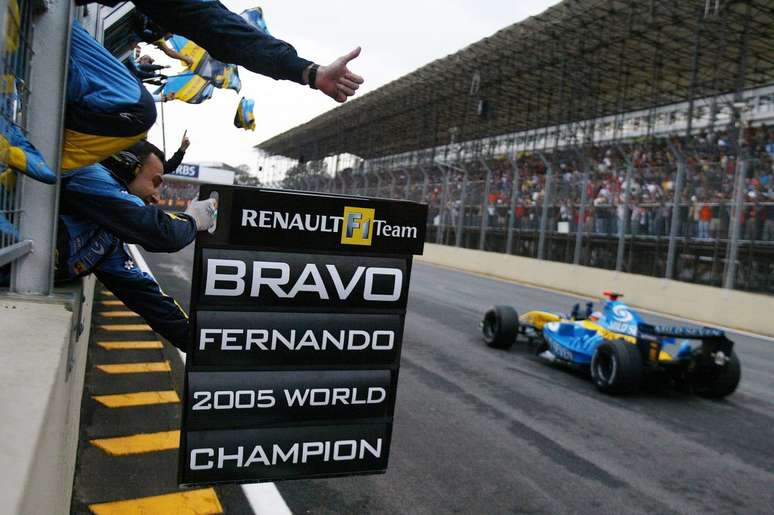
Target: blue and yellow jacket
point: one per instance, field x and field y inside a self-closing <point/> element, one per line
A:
<point x="98" y="217"/>
<point x="108" y="109"/>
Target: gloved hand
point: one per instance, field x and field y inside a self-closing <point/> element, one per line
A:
<point x="203" y="212"/>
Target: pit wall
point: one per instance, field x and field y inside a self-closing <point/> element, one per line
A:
<point x="43" y="344"/>
<point x="711" y="306"/>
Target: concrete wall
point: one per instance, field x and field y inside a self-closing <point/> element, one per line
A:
<point x="713" y="306"/>
<point x="43" y="347"/>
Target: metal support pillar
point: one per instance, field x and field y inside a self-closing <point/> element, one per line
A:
<point x="34" y="273"/>
<point x="546" y="201"/>
<point x="484" y="208"/>
<point x="461" y="214"/>
<point x="626" y="214"/>
<point x="742" y="166"/>
<point x="425" y="184"/>
<point x="729" y="276"/>
<point x="674" y="228"/>
<point x="581" y="211"/>
<point x="442" y="207"/>
<point x="515" y="187"/>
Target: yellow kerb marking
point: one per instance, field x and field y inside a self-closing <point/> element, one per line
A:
<point x="111" y="303"/>
<point x="126" y="400"/>
<point x="139" y="444"/>
<point x="132" y="345"/>
<point x="117" y="314"/>
<point x="136" y="368"/>
<point x="190" y="502"/>
<point x="107" y="293"/>
<point x="114" y="328"/>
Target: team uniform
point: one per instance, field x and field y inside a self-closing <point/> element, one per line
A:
<point x="108" y="109"/>
<point x="85" y="246"/>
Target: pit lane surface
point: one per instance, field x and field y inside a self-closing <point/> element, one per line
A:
<point x="479" y="430"/>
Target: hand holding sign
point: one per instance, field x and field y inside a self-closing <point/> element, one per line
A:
<point x="203" y="213"/>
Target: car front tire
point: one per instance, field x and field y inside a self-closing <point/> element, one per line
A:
<point x="500" y="327"/>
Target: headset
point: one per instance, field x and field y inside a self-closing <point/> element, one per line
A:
<point x="124" y="165"/>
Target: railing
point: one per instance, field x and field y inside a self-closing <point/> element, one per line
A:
<point x="14" y="70"/>
<point x="37" y="68"/>
<point x="721" y="233"/>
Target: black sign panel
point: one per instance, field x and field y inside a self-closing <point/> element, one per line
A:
<point x="271" y="279"/>
<point x="297" y="309"/>
<point x="326" y="223"/>
<point x="282" y="452"/>
<point x="221" y="400"/>
<point x="288" y="340"/>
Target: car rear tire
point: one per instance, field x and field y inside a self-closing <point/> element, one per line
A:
<point x="616" y="367"/>
<point x="500" y="327"/>
<point x="720" y="381"/>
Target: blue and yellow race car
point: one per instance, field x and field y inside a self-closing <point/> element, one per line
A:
<point x="619" y="348"/>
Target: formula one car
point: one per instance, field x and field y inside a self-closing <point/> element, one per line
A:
<point x="619" y="349"/>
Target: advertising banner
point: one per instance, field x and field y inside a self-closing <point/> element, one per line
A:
<point x="186" y="170"/>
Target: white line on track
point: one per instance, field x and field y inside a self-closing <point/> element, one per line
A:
<point x="586" y="297"/>
<point x="264" y="498"/>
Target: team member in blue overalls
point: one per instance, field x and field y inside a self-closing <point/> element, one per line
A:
<point x="107" y="108"/>
<point x="104" y="207"/>
<point x="231" y="39"/>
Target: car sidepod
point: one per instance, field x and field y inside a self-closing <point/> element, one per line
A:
<point x="571" y="342"/>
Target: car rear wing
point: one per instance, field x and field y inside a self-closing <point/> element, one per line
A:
<point x="713" y="340"/>
<point x="688" y="333"/>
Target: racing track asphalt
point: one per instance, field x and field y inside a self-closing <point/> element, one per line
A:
<point x="479" y="430"/>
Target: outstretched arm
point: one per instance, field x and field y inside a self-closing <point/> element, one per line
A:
<point x="230" y="39"/>
<point x="161" y="45"/>
<point x="91" y="192"/>
<point x="177" y="158"/>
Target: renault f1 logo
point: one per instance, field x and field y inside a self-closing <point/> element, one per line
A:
<point x="358" y="226"/>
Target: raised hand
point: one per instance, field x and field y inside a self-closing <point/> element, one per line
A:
<point x="336" y="81"/>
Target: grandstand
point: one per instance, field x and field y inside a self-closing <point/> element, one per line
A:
<point x="628" y="135"/>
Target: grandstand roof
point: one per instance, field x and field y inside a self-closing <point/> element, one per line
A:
<point x="578" y="60"/>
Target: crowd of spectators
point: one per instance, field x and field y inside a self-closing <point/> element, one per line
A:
<point x="706" y="199"/>
<point x="177" y="195"/>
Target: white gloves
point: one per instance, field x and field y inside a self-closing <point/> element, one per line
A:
<point x="203" y="212"/>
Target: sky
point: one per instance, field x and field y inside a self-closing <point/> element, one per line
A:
<point x="396" y="37"/>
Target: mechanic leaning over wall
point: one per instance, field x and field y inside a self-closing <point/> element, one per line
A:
<point x="107" y="205"/>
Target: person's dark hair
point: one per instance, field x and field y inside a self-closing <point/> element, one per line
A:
<point x="125" y="164"/>
<point x="147" y="30"/>
<point x="143" y="149"/>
